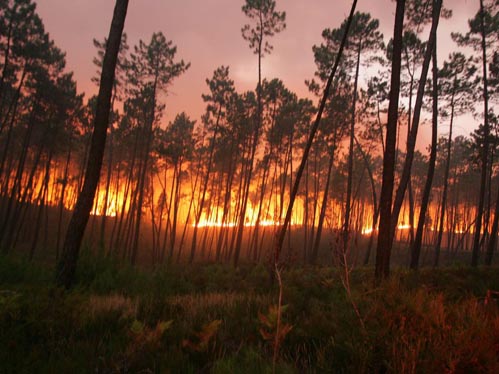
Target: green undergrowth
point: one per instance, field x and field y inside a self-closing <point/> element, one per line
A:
<point x="216" y="319"/>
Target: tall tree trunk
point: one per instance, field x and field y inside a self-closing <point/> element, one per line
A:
<point x="205" y="186"/>
<point x="374" y="200"/>
<point x="491" y="247"/>
<point x="142" y="176"/>
<point x="485" y="150"/>
<point x="7" y="54"/>
<point x="42" y="206"/>
<point x="406" y="172"/>
<point x="176" y="205"/>
<point x="66" y="267"/>
<point x="383" y="251"/>
<point x="246" y="186"/>
<point x="348" y="203"/>
<point x="15" y="191"/>
<point x="61" y="201"/>
<point x="315" y="249"/>
<point x="102" y="243"/>
<point x="191" y="203"/>
<point x="416" y="248"/>
<point x="446" y="188"/>
<point x="126" y="196"/>
<point x="282" y="233"/>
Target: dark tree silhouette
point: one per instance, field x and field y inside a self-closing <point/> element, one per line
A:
<point x="66" y="267"/>
<point x="281" y="234"/>
<point x="268" y="23"/>
<point x="483" y="26"/>
<point x="416" y="248"/>
<point x="383" y="250"/>
<point x="411" y="139"/>
<point x="456" y="87"/>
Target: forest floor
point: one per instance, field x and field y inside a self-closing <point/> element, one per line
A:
<point x="213" y="318"/>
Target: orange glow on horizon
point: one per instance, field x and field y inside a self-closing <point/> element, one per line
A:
<point x="264" y="223"/>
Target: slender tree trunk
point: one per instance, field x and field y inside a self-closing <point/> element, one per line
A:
<point x="245" y="195"/>
<point x="406" y="172"/>
<point x="205" y="187"/>
<point x="315" y="250"/>
<point x="150" y="117"/>
<point x="12" y="113"/>
<point x="416" y="248"/>
<point x="15" y="191"/>
<point x="485" y="150"/>
<point x="191" y="203"/>
<point x="108" y="182"/>
<point x="445" y="191"/>
<point x="385" y="236"/>
<point x="61" y="201"/>
<point x="20" y="199"/>
<point x="409" y="184"/>
<point x="491" y="247"/>
<point x="41" y="208"/>
<point x="374" y="200"/>
<point x="315" y="199"/>
<point x="178" y="187"/>
<point x="247" y="182"/>
<point x="346" y="225"/>
<point x="66" y="267"/>
<point x="6" y="55"/>
<point x="306" y="254"/>
<point x="282" y="233"/>
<point x="126" y="196"/>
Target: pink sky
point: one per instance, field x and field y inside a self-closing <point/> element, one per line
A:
<point x="207" y="34"/>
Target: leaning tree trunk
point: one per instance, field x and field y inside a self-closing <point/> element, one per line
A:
<point x="282" y="233"/>
<point x="385" y="241"/>
<point x="416" y="247"/>
<point x="66" y="267"/>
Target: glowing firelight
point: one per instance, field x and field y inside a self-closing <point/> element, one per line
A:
<point x="111" y="208"/>
<point x="369" y="230"/>
<point x="264" y="223"/>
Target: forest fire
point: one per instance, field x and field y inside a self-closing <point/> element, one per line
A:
<point x="369" y="230"/>
<point x="264" y="223"/>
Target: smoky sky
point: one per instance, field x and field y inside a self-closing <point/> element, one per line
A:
<point x="207" y="34"/>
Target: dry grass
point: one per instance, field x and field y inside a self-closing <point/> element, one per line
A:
<point x="196" y="304"/>
<point x="98" y="304"/>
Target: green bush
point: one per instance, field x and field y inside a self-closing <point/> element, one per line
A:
<point x="206" y="319"/>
